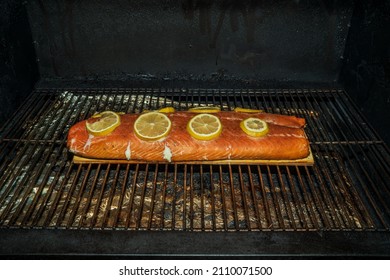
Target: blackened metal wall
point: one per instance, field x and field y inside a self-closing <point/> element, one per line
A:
<point x="191" y="39"/>
<point x="18" y="68"/>
<point x="366" y="71"/>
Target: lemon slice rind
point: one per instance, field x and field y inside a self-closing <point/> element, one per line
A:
<point x="204" y="121"/>
<point x="254" y="127"/>
<point x="152" y="126"/>
<point x="167" y="110"/>
<point x="247" y="110"/>
<point x="205" y="109"/>
<point x="108" y="122"/>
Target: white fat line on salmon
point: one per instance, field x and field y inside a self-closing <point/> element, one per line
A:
<point x="128" y="151"/>
<point x="88" y="143"/>
<point x="229" y="149"/>
<point x="287" y="135"/>
<point x="232" y="118"/>
<point x="71" y="148"/>
<point x="167" y="154"/>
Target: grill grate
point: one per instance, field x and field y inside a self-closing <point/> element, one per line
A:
<point x="40" y="187"/>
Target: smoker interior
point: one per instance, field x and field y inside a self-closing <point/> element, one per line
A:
<point x="52" y="206"/>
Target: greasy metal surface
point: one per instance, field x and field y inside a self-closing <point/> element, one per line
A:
<point x="40" y="187"/>
<point x="55" y="243"/>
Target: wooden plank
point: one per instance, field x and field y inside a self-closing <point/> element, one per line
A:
<point x="308" y="161"/>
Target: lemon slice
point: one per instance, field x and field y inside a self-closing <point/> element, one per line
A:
<point x="162" y="110"/>
<point x="152" y="126"/>
<point x="104" y="123"/>
<point x="246" y="110"/>
<point x="204" y="127"/>
<point x="205" y="109"/>
<point x="254" y="127"/>
<point x="167" y="110"/>
<point x="98" y="115"/>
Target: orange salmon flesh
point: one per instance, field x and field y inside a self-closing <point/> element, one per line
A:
<point x="285" y="140"/>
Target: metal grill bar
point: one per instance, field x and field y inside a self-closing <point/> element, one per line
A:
<point x="346" y="189"/>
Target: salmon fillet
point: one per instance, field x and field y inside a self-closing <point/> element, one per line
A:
<point x="285" y="140"/>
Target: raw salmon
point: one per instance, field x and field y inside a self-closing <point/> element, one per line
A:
<point x="285" y="140"/>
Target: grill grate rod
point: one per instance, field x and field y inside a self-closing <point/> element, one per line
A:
<point x="243" y="198"/>
<point x="254" y="198"/>
<point x="122" y="195"/>
<point x="131" y="203"/>
<point x="223" y="197"/>
<point x="286" y="199"/>
<point x="302" y="198"/>
<point x="155" y="180"/>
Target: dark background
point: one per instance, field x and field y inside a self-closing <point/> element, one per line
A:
<point x="187" y="43"/>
